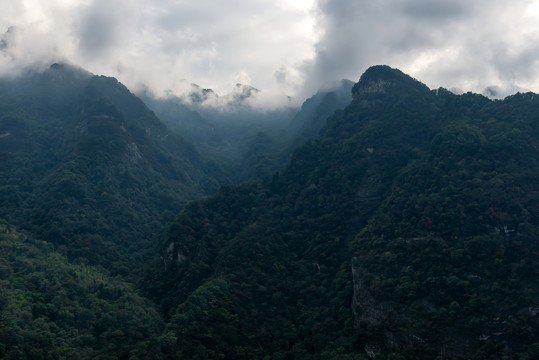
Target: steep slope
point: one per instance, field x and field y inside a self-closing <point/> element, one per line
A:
<point x="312" y="116"/>
<point x="408" y="229"/>
<point x="88" y="167"/>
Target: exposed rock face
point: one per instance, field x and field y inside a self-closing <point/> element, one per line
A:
<point x="132" y="155"/>
<point x="172" y="256"/>
<point x="384" y="80"/>
<point x="374" y="87"/>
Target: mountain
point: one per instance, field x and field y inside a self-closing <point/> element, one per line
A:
<point x="312" y="116"/>
<point x="88" y="167"/>
<point x="227" y="129"/>
<point x="407" y="229"/>
<point x="241" y="94"/>
<point x="253" y="143"/>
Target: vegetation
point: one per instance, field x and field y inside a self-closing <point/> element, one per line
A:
<point x="406" y="230"/>
<point x="87" y="167"/>
<point x="53" y="309"/>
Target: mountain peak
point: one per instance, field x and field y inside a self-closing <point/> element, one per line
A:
<point x="66" y="70"/>
<point x="242" y="91"/>
<point x="381" y="79"/>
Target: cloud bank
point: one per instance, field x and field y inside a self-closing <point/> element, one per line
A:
<point x="164" y="44"/>
<point x="282" y="47"/>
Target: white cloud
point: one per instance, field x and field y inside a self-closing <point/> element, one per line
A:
<point x="283" y="47"/>
<point x="161" y="44"/>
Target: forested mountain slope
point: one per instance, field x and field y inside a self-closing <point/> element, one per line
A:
<point x="53" y="309"/>
<point x="87" y="166"/>
<point x="408" y="229"/>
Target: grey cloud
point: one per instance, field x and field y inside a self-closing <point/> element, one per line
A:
<point x="435" y="11"/>
<point x="280" y="75"/>
<point x="97" y="33"/>
<point x="103" y="25"/>
<point x="22" y="50"/>
<point x="514" y="63"/>
<point x="7" y="39"/>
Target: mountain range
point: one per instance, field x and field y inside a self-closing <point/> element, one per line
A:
<point x="380" y="220"/>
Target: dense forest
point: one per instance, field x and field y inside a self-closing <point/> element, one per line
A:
<point x="51" y="308"/>
<point x="407" y="229"/>
<point x="87" y="166"/>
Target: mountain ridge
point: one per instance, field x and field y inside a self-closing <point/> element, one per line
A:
<point x="88" y="141"/>
<point x="367" y="243"/>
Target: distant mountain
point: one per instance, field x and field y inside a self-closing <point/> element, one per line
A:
<point x="407" y="229"/>
<point x="183" y="118"/>
<point x="226" y="129"/>
<point x="252" y="142"/>
<point x="87" y="166"/>
<point x="240" y="94"/>
<point x="316" y="109"/>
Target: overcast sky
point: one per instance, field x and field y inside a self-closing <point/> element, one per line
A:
<point x="282" y="47"/>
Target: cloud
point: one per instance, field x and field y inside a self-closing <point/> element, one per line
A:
<point x="433" y="11"/>
<point x="470" y="45"/>
<point x="35" y="34"/>
<point x="103" y="26"/>
<point x="161" y="44"/>
<point x="282" y="47"/>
